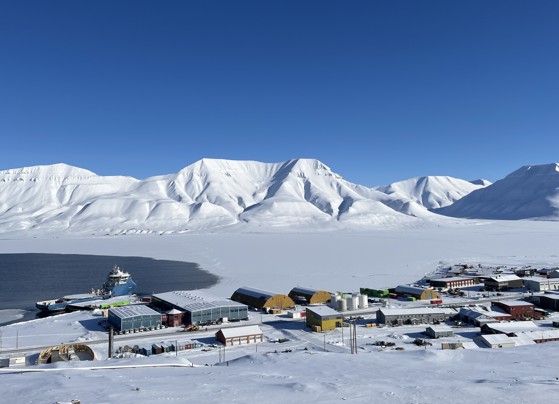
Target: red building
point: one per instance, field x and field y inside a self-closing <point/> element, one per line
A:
<point x="518" y="309"/>
<point x="173" y="318"/>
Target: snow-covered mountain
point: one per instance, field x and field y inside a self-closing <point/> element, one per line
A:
<point x="207" y="194"/>
<point x="433" y="192"/>
<point x="531" y="192"/>
<point x="296" y="194"/>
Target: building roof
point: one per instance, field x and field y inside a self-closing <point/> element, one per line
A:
<point x="240" y="331"/>
<point x="478" y="314"/>
<point x="504" y="278"/>
<point x="415" y="311"/>
<point x="304" y="291"/>
<point x="132" y="310"/>
<point x="257" y="293"/>
<point x="513" y="326"/>
<point x="415" y="290"/>
<point x="541" y="280"/>
<point x="453" y="279"/>
<point x="324" y="311"/>
<point x="498" y="339"/>
<point x="514" y="303"/>
<point x="441" y="328"/>
<point x="195" y="300"/>
<point x="174" y="311"/>
<point x="542" y="334"/>
<point x="553" y="296"/>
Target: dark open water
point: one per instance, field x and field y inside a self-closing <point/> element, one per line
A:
<point x="27" y="278"/>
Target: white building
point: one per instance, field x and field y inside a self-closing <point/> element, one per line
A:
<point x="540" y="284"/>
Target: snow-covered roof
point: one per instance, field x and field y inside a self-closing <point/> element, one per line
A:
<point x="542" y="334"/>
<point x="194" y="300"/>
<point x="133" y="310"/>
<point x="240" y="331"/>
<point x="513" y="326"/>
<point x="440" y="328"/>
<point x="504" y="278"/>
<point x="415" y="311"/>
<point x="324" y="311"/>
<point x="453" y="279"/>
<point x="174" y="311"/>
<point x="514" y="303"/>
<point x="497" y="339"/>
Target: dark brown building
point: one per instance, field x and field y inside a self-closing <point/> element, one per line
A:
<point x="518" y="309"/>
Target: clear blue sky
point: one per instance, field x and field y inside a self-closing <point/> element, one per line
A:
<point x="378" y="90"/>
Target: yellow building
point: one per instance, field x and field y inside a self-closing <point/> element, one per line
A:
<point x="311" y="296"/>
<point x="262" y="299"/>
<point x="324" y="317"/>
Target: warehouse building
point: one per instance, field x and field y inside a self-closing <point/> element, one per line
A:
<point x="453" y="282"/>
<point x="417" y="292"/>
<point x="323" y="318"/>
<point x="200" y="307"/>
<point x="250" y="334"/>
<point x="261" y="299"/>
<point x="498" y="341"/>
<point x="420" y="315"/>
<point x="479" y="316"/>
<point x="518" y="309"/>
<point x="540" y="284"/>
<point x="503" y="282"/>
<point x="511" y="329"/>
<point x="134" y="318"/>
<point x="310" y="296"/>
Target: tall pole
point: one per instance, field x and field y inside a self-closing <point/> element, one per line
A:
<point x="111" y="336"/>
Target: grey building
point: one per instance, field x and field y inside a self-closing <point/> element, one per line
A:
<point x="541" y="284"/>
<point x="503" y="282"/>
<point x="425" y="315"/>
<point x="200" y="307"/>
<point x="439" y="331"/>
<point x="134" y="317"/>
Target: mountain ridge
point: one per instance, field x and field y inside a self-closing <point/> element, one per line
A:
<point x="216" y="193"/>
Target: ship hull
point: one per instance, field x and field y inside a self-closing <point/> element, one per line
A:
<point x="61" y="304"/>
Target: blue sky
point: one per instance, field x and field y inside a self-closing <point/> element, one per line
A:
<point x="378" y="90"/>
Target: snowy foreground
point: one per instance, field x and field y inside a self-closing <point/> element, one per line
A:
<point x="335" y="261"/>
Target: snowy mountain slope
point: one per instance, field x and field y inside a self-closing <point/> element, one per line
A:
<point x="433" y="191"/>
<point x="527" y="193"/>
<point x="207" y="194"/>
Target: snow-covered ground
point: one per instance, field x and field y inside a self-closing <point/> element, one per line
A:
<point x="327" y="260"/>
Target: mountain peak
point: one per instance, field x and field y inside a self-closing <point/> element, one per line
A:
<point x="528" y="193"/>
<point x="536" y="170"/>
<point x="433" y="191"/>
<point x="58" y="170"/>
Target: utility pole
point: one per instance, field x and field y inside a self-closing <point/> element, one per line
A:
<point x="111" y="337"/>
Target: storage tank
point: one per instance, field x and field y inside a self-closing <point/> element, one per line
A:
<point x="334" y="297"/>
<point x="342" y="305"/>
<point x="363" y="301"/>
<point x="355" y="301"/>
